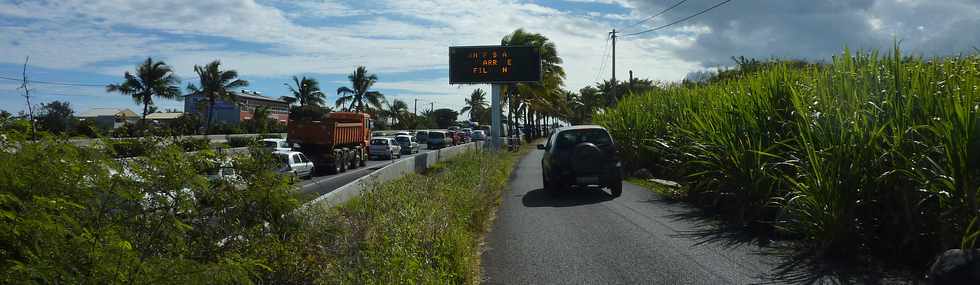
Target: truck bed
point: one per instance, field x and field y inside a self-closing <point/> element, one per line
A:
<point x="327" y="132"/>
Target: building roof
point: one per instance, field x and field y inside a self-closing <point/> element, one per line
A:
<point x="164" y="116"/>
<point x="100" y="112"/>
<point x="252" y="95"/>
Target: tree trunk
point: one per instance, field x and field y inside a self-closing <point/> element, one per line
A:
<point x="146" y="107"/>
<point x="207" y="125"/>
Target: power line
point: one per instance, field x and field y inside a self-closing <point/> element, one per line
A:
<point x="602" y="64"/>
<point x="55" y="83"/>
<point x="681" y="20"/>
<point x="657" y="14"/>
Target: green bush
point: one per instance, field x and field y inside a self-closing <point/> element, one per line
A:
<point x="131" y="147"/>
<point x="238" y="141"/>
<point x="74" y="215"/>
<point x="194" y="144"/>
<point x="868" y="155"/>
<point x="270" y="136"/>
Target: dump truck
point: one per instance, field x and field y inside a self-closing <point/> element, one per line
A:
<point x="335" y="143"/>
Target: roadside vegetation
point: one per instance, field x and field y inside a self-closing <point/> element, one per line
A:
<point x="78" y="215"/>
<point x="421" y="228"/>
<point x="867" y="155"/>
<point x="74" y="215"/>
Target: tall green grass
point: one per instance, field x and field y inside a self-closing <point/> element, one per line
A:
<point x="418" y="229"/>
<point x="868" y="154"/>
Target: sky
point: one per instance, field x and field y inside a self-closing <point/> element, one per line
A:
<point x="90" y="43"/>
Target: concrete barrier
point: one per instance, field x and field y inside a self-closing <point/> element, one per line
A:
<point x="414" y="164"/>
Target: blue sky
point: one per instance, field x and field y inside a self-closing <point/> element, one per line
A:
<point x="405" y="42"/>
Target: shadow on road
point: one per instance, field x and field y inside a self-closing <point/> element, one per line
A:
<point x="793" y="263"/>
<point x="568" y="198"/>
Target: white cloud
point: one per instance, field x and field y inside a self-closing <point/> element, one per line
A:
<point x="333" y="36"/>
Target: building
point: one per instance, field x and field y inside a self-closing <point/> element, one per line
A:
<point x="238" y="111"/>
<point x="109" y="118"/>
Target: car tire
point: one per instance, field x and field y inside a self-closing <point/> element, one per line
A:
<point x="616" y="188"/>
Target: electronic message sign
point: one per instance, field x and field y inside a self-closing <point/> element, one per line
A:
<point x="494" y="64"/>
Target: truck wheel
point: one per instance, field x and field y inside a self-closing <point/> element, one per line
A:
<point x="342" y="162"/>
<point x="353" y="159"/>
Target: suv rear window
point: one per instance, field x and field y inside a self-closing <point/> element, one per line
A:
<point x="570" y="138"/>
<point x="403" y="139"/>
<point x="379" y="141"/>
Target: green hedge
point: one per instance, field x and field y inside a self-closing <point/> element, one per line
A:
<point x="131" y="147"/>
<point x="194" y="144"/>
<point x="241" y="141"/>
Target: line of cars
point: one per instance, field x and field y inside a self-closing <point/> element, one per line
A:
<point x="436" y="139"/>
<point x="381" y="146"/>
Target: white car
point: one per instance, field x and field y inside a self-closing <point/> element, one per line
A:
<point x="294" y="163"/>
<point x="384" y="147"/>
<point x="408" y="143"/>
<point x="276" y="145"/>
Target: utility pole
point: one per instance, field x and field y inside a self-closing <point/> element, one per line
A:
<point x="27" y="95"/>
<point x="432" y="106"/>
<point x="613" y="36"/>
<point x="615" y="100"/>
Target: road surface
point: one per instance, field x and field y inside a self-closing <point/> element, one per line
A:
<point x="586" y="237"/>
<point x="319" y="185"/>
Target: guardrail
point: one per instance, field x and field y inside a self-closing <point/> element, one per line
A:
<point x="414" y="164"/>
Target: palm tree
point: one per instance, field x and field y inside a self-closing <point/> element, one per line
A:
<point x="396" y="110"/>
<point x="152" y="79"/>
<point x="361" y="82"/>
<point x="216" y="84"/>
<point x="307" y="91"/>
<point x="288" y="100"/>
<point x="544" y="97"/>
<point x="475" y="105"/>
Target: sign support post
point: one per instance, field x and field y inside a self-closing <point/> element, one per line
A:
<point x="495" y="126"/>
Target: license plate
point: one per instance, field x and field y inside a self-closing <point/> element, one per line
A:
<point x="587" y="180"/>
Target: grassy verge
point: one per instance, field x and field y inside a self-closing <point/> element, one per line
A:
<point x="670" y="193"/>
<point x="421" y="228"/>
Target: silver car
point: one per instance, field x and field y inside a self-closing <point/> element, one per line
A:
<point x="294" y="163"/>
<point x="387" y="148"/>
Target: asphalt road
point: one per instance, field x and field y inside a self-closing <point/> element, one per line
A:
<point x="584" y="236"/>
<point x="319" y="185"/>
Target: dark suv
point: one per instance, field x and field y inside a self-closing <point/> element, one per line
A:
<point x="583" y="156"/>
